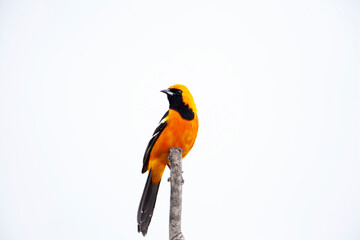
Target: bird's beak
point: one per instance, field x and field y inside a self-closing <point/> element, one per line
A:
<point x="167" y="91"/>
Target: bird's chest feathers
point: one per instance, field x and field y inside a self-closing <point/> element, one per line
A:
<point x="180" y="132"/>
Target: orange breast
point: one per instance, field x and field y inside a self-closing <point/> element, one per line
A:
<point x="178" y="133"/>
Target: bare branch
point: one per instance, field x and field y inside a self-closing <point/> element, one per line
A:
<point x="176" y="181"/>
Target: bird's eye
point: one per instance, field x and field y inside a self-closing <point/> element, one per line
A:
<point x="178" y="92"/>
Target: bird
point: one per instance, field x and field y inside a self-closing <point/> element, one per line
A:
<point x="178" y="128"/>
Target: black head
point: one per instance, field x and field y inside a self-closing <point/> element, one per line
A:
<point x="176" y="102"/>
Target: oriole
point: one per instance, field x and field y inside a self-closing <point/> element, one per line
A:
<point x="177" y="128"/>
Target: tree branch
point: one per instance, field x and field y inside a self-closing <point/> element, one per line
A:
<point x="176" y="181"/>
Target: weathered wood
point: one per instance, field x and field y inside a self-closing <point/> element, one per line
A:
<point x="176" y="181"/>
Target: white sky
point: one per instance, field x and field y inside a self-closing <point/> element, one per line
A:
<point x="277" y="86"/>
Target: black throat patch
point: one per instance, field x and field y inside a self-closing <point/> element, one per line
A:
<point x="177" y="104"/>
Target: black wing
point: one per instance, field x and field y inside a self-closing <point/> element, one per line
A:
<point x="158" y="131"/>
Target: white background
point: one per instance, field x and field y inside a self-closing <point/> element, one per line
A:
<point x="277" y="87"/>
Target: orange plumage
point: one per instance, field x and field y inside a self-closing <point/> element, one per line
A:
<point x="178" y="128"/>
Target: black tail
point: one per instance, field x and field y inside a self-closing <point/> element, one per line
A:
<point x="147" y="204"/>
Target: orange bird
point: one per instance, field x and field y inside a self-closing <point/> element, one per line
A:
<point x="177" y="128"/>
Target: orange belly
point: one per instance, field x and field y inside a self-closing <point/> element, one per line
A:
<point x="179" y="133"/>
